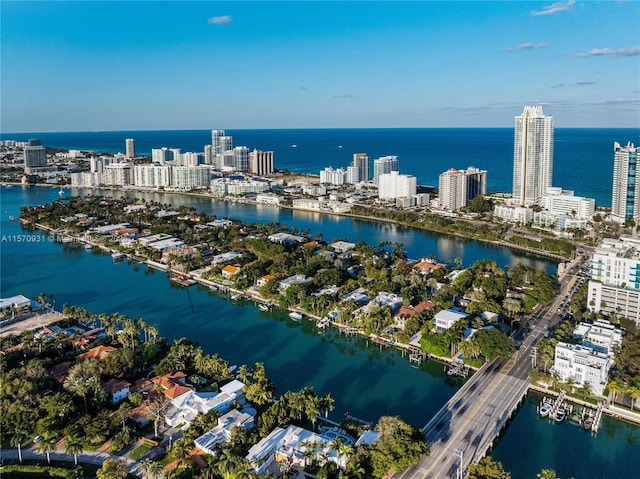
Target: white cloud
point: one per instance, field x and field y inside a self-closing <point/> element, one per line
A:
<point x="620" y="52"/>
<point x="220" y="20"/>
<point x="553" y="8"/>
<point x="526" y="46"/>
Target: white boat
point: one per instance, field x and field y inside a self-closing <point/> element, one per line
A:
<point x="117" y="256"/>
<point x="545" y="409"/>
<point x="236" y="296"/>
<point x="12" y="218"/>
<point x="263" y="307"/>
<point x="296" y="316"/>
<point x="294" y="146"/>
<point x="560" y="414"/>
<point x="324" y="322"/>
<point x="61" y="192"/>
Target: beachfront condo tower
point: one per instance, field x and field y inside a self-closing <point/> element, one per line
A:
<point x="532" y="155"/>
<point x="130" y="147"/>
<point x="361" y="162"/>
<point x="625" y="202"/>
<point x="384" y="165"/>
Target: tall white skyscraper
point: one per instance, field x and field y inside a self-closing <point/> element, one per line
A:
<point x="383" y="165"/>
<point x="130" y="148"/>
<point x="625" y="202"/>
<point x="394" y="185"/>
<point x="532" y="155"/>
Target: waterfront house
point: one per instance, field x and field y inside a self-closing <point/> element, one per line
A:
<point x="292" y="445"/>
<point x="426" y="267"/>
<point x="15" y="303"/>
<point x="582" y="365"/>
<point x="220" y="434"/>
<point x="99" y="353"/>
<point x="117" y="390"/>
<point x="286" y="239"/>
<point x="295" y="279"/>
<point x="601" y="336"/>
<point x="342" y="246"/>
<point x="264" y="280"/>
<point x="446" y="318"/>
<point x="230" y="271"/>
<point x="185" y="407"/>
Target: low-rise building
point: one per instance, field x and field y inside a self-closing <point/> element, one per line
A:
<point x="295" y="279"/>
<point x="222" y="432"/>
<point x="446" y="318"/>
<point x="582" y="365"/>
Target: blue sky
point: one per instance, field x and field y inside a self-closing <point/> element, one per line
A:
<point x="76" y="66"/>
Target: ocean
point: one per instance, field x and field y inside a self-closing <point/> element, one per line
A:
<point x="583" y="157"/>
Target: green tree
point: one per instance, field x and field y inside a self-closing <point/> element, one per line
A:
<point x="113" y="469"/>
<point x="399" y="446"/>
<point x="47" y="445"/>
<point x="487" y="468"/>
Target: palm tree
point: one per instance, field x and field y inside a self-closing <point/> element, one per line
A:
<point x="243" y="373"/>
<point x="615" y="387"/>
<point x="312" y="409"/>
<point x="634" y="393"/>
<point x="73" y="447"/>
<point x="327" y="403"/>
<point x="151" y="469"/>
<point x="18" y="437"/>
<point x="547" y="474"/>
<point x="46" y="445"/>
<point x="227" y="464"/>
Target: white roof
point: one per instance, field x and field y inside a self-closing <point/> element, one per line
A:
<point x="449" y="315"/>
<point x="18" y="300"/>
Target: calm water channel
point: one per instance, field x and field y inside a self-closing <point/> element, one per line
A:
<point x="365" y="381"/>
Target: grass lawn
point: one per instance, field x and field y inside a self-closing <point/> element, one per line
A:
<point x="140" y="451"/>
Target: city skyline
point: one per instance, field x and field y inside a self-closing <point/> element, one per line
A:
<point x="82" y="66"/>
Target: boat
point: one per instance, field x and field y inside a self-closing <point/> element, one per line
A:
<point x="263" y="307"/>
<point x="12" y="218"/>
<point x="295" y="315"/>
<point x="8" y="186"/>
<point x="294" y="146"/>
<point x="545" y="409"/>
<point x="588" y="423"/>
<point x="236" y="296"/>
<point x="561" y="413"/>
<point x="117" y="256"/>
<point x="324" y="322"/>
<point x="61" y="192"/>
<point x="88" y="246"/>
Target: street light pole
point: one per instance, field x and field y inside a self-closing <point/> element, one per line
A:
<point x="460" y="473"/>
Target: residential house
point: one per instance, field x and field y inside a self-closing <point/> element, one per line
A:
<point x="290" y="444"/>
<point x="295" y="279"/>
<point x="446" y="318"/>
<point x="230" y="271"/>
<point x="99" y="353"/>
<point x="185" y="407"/>
<point x="222" y="432"/>
<point x="117" y="390"/>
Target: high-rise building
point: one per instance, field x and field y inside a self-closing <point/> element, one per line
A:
<point x="614" y="288"/>
<point x="625" y="203"/>
<point x="333" y="177"/>
<point x="532" y="155"/>
<point x="34" y="157"/>
<point x="383" y="165"/>
<point x="361" y="161"/>
<point x="152" y="176"/>
<point x="458" y="187"/>
<point x="241" y="158"/>
<point x="452" y="189"/>
<point x="261" y="162"/>
<point x="208" y="155"/>
<point x="220" y="142"/>
<point x="394" y="185"/>
<point x="118" y="174"/>
<point x="130" y="148"/>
